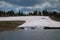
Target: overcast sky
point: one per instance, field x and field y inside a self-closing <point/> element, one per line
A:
<point x="29" y="5"/>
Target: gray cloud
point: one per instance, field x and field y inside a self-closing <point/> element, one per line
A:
<point x="31" y="2"/>
<point x="30" y="5"/>
<point x="1" y="0"/>
<point x="23" y="2"/>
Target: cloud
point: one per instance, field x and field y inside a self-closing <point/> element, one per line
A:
<point x="57" y="0"/>
<point x="23" y="2"/>
<point x="40" y="6"/>
<point x="56" y="10"/>
<point x="2" y="4"/>
<point x="1" y="0"/>
<point x="43" y="5"/>
<point x="31" y="2"/>
<point x="6" y="5"/>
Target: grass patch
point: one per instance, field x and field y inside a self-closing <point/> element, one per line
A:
<point x="10" y="24"/>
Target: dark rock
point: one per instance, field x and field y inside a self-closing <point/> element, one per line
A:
<point x="51" y="27"/>
<point x="21" y="27"/>
<point x="32" y="27"/>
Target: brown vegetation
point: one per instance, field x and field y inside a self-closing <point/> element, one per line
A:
<point x="7" y="25"/>
<point x="55" y="18"/>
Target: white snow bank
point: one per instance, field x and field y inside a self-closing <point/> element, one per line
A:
<point x="33" y="21"/>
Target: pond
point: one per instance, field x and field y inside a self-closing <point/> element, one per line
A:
<point x="30" y="34"/>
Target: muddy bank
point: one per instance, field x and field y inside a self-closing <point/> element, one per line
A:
<point x="55" y="18"/>
<point x="10" y="25"/>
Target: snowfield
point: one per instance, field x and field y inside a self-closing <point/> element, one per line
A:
<point x="39" y="21"/>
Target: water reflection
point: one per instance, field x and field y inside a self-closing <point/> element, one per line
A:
<point x="30" y="35"/>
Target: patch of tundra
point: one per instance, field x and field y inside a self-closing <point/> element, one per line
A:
<point x="39" y="21"/>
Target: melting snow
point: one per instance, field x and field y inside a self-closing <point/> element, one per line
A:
<point x="33" y="21"/>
